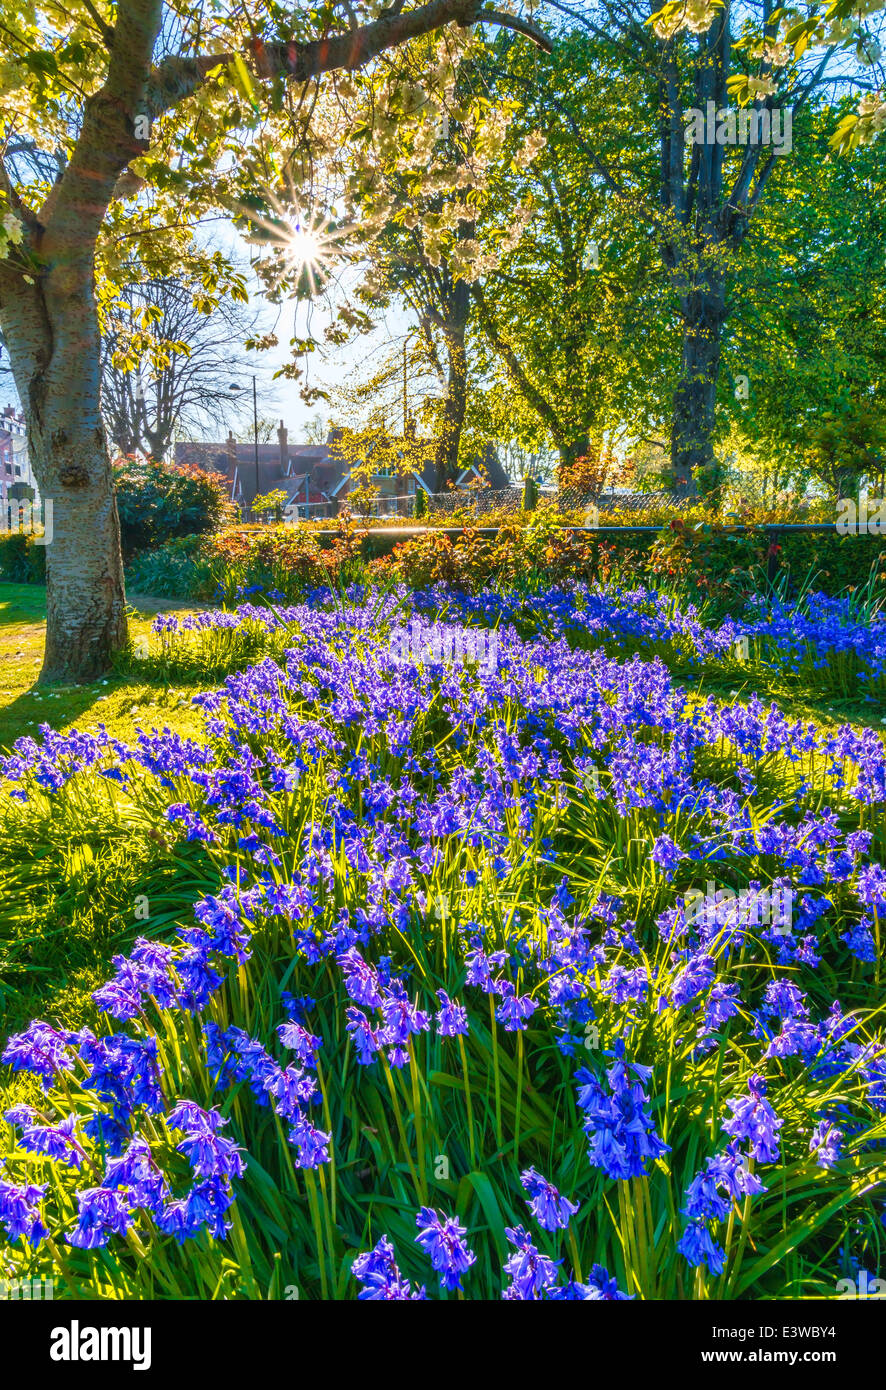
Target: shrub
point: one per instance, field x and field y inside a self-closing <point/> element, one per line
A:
<point x="157" y="501"/>
<point x="22" y="561"/>
<point x="271" y="502"/>
<point x="535" y="548"/>
<point x="186" y="567"/>
<point x="282" y="559"/>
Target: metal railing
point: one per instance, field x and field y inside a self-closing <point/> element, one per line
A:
<point x="21" y="517"/>
<point x="468" y="506"/>
<point x="471" y="502"/>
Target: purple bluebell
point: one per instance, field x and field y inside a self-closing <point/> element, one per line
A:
<point x="550" y="1209"/>
<point x="442" y="1238"/>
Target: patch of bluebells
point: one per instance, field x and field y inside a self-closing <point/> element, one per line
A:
<point x="792" y="636"/>
<point x="530" y="1274"/>
<point x="336" y="689"/>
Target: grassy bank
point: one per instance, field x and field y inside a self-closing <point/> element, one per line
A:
<point x="68" y="886"/>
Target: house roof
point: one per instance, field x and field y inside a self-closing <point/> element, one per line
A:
<point x="281" y="464"/>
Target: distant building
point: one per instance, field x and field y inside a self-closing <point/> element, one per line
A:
<point x="14" y="464"/>
<point x="315" y="477"/>
<point x="487" y="471"/>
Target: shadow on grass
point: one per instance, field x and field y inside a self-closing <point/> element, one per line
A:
<point x="22" y="628"/>
<point x="45" y="705"/>
<point x="22" y="603"/>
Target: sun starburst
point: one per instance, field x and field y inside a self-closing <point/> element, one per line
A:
<point x="298" y="246"/>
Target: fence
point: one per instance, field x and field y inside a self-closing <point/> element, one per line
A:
<point x="477" y="502"/>
<point x="21" y="517"/>
<point x="402" y="506"/>
<point x="572" y="499"/>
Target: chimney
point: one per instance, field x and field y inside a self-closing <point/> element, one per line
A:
<point x="283" y="437"/>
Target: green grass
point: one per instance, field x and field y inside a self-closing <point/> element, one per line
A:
<point x="121" y="702"/>
<point x="732" y="681"/>
<point x="69" y="883"/>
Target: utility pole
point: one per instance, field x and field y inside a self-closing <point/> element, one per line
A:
<point x="234" y="388"/>
<point x="255" y="433"/>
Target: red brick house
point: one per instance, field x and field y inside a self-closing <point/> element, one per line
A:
<point x="315" y="477"/>
<point x="14" y="466"/>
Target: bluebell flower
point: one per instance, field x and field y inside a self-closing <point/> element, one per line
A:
<point x="312" y="1144"/>
<point x="531" y="1272"/>
<point x="698" y="1248"/>
<point x="441" y="1237"/>
<point x="514" y="1012"/>
<point x="101" y="1214"/>
<point x="138" y="1171"/>
<point x="20" y="1212"/>
<point x="667" y="854"/>
<point x="826" y="1143"/>
<point x="598" y="1288"/>
<point x="191" y="1118"/>
<point x="621" y="1135"/>
<point x="302" y="1042"/>
<point x="40" y="1049"/>
<point x="381" y="1279"/>
<point x="729" y="1171"/>
<point x="211" y="1155"/>
<point x="754" y="1120"/>
<point x="452" y="1018"/>
<point x="58" y="1142"/>
<point x="550" y="1210"/>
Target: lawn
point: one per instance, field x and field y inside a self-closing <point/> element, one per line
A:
<point x="119" y="702"/>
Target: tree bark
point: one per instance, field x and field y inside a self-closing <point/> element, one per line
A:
<point x="85" y="615"/>
<point x="695" y="396"/>
<point x="570" y="450"/>
<point x="51" y="330"/>
<point x="455" y="400"/>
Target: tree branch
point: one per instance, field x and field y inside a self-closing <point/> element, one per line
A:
<point x="520" y="26"/>
<point x="106" y="30"/>
<point x="178" y="78"/>
<point x="527" y="388"/>
<point x="78" y="203"/>
<point x="15" y="201"/>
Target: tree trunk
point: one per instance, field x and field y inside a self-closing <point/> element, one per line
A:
<point x="455" y="402"/>
<point x="571" y="450"/>
<point x="51" y="330"/>
<point x="695" y="397"/>
<point x="85" y="621"/>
